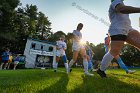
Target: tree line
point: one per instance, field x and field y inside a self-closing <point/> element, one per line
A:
<point x="17" y="23"/>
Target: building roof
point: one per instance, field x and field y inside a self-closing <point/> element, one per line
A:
<point x="43" y="41"/>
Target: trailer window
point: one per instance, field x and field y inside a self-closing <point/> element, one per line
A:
<point x="33" y="45"/>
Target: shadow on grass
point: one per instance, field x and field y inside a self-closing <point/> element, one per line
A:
<point x="59" y="87"/>
<point x="29" y="81"/>
<point x="130" y="76"/>
<point x="43" y="81"/>
<point x="108" y="85"/>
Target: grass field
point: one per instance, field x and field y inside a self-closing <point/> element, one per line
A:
<point x="47" y="81"/>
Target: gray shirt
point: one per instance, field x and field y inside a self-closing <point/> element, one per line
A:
<point x="118" y="20"/>
<point x="77" y="37"/>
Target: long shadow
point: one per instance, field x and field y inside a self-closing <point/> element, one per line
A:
<point x="10" y="81"/>
<point x="107" y="85"/>
<point x="59" y="87"/>
<point x="125" y="75"/>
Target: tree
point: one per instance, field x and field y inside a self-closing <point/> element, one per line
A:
<point x="16" y="25"/>
<point x="99" y="51"/>
<point x="7" y="13"/>
<point x="43" y="26"/>
<point x="69" y="53"/>
<point x="130" y="55"/>
<point x="54" y="37"/>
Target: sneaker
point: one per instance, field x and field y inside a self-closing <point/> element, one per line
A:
<point x="94" y="70"/>
<point x="101" y="73"/>
<point x="4" y="68"/>
<point x="130" y="71"/>
<point x="88" y="74"/>
<point x="55" y="70"/>
<point x="70" y="69"/>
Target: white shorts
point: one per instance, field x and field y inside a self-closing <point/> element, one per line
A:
<point x="60" y="53"/>
<point x="16" y="62"/>
<point x="77" y="47"/>
<point x="120" y="31"/>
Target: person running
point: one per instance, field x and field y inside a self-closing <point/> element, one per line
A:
<point x="5" y="58"/>
<point x="78" y="47"/>
<point x="120" y="31"/>
<point x="61" y="47"/>
<point x="89" y="53"/>
<point x="121" y="64"/>
<point x="16" y="61"/>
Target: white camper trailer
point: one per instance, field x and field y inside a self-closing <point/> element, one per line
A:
<point x="39" y="54"/>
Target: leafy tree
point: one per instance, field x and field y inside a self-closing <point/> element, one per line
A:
<point x="99" y="51"/>
<point x="17" y="25"/>
<point x="130" y="55"/>
<point x="43" y="26"/>
<point x="54" y="37"/>
<point x="69" y="46"/>
<point x="7" y="13"/>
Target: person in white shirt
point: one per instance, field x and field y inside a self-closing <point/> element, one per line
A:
<point x="60" y="52"/>
<point x="78" y="47"/>
<point x="120" y="31"/>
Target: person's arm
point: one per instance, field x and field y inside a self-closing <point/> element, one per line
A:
<point x="57" y="45"/>
<point x="57" y="48"/>
<point x="65" y="46"/>
<point x="126" y="9"/>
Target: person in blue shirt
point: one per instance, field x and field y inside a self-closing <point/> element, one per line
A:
<point x="5" y="58"/>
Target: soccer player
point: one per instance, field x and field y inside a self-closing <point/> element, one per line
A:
<point x="60" y="52"/>
<point x="78" y="47"/>
<point x="120" y="31"/>
<point x="120" y="62"/>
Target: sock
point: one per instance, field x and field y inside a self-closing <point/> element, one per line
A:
<point x="122" y="65"/>
<point x="66" y="66"/>
<point x="85" y="63"/>
<point x="90" y="65"/>
<point x="71" y="63"/>
<point x="55" y="66"/>
<point x="106" y="61"/>
<point x="64" y="58"/>
<point x="1" y="66"/>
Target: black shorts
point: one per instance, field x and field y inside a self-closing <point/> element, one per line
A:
<point x="4" y="61"/>
<point x="118" y="37"/>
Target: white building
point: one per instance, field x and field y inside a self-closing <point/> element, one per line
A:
<point x="39" y="54"/>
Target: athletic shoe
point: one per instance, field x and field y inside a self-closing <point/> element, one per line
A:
<point x="55" y="70"/>
<point x="70" y="69"/>
<point x="101" y="73"/>
<point x="130" y="71"/>
<point x="88" y="74"/>
<point x="94" y="70"/>
<point x="4" y="68"/>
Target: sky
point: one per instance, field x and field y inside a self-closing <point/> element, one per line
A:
<point x="66" y="14"/>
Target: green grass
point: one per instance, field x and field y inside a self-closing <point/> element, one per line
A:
<point x="46" y="81"/>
